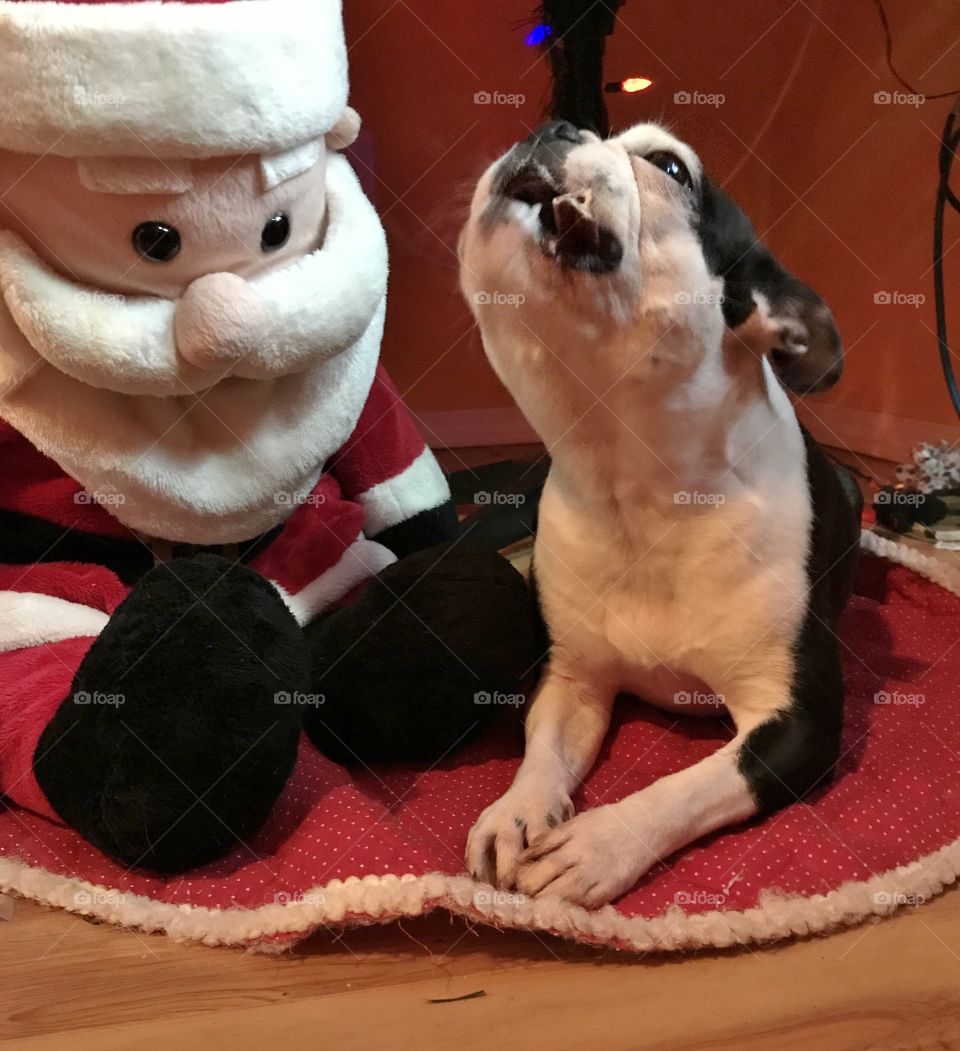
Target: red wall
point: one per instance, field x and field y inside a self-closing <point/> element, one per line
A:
<point x="841" y="186"/>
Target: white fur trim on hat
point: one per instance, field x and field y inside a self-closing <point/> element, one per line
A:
<point x="169" y="79"/>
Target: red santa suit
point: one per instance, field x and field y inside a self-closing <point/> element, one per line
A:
<point x="53" y="608"/>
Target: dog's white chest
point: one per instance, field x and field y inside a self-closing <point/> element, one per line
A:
<point x="666" y="605"/>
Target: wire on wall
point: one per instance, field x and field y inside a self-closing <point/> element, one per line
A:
<point x="949" y="141"/>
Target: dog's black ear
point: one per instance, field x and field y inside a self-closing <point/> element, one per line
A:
<point x="765" y="306"/>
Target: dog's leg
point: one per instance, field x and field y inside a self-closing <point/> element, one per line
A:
<point x="783" y="748"/>
<point x="565" y="727"/>
<point x="602" y="853"/>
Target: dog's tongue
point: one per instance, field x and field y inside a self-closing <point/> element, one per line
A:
<point x="582" y="242"/>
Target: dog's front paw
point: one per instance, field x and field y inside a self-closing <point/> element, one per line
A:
<point x="590" y="860"/>
<point x="507" y="827"/>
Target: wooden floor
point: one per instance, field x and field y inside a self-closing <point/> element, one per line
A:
<point x="68" y="983"/>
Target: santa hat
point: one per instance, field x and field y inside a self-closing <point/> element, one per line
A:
<point x="142" y="78"/>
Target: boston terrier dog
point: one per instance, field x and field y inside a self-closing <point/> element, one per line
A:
<point x="695" y="546"/>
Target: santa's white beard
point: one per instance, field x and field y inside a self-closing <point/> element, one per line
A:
<point x="313" y="309"/>
<point x="224" y="464"/>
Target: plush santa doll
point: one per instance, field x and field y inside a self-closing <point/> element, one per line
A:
<point x="216" y="517"/>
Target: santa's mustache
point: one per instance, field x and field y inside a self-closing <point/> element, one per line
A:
<point x="279" y="323"/>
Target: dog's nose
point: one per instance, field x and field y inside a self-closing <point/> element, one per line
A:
<point x="554" y="132"/>
<point x="557" y="130"/>
<point x="534" y="173"/>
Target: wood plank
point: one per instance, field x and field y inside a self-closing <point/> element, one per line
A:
<point x="894" y="984"/>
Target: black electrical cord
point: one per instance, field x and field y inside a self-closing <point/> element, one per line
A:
<point x="888" y="38"/>
<point x="945" y="195"/>
<point x="949" y="142"/>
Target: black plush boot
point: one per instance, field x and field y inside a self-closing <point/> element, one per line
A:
<point x="179" y="733"/>
<point x="437" y="645"/>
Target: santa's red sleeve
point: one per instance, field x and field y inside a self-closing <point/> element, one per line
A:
<point x="387" y="468"/>
<point x="50" y="613"/>
<point x="54" y="600"/>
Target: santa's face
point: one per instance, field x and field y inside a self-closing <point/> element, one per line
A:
<point x="210" y="216"/>
<point x="104" y="348"/>
<point x="167" y="277"/>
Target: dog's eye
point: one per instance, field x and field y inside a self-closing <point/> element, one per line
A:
<point x="670" y="164"/>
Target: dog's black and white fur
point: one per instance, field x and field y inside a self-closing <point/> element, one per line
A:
<point x="694" y="543"/>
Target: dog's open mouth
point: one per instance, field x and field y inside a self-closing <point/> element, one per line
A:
<point x="569" y="230"/>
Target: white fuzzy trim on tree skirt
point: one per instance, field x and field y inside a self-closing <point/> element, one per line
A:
<point x="932" y="568"/>
<point x="380" y="899"/>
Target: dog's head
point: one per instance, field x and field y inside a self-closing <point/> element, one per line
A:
<point x="628" y="235"/>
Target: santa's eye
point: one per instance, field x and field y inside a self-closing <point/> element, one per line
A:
<point x="670" y="164"/>
<point x="159" y="242"/>
<point x="276" y="232"/>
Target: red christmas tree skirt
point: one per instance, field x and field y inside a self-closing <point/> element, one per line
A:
<point x="346" y="847"/>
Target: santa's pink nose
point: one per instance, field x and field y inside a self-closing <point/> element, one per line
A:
<point x="219" y="320"/>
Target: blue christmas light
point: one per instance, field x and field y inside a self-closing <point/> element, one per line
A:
<point x="538" y="35"/>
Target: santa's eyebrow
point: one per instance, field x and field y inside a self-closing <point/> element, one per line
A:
<point x="276" y="168"/>
<point x="134" y="175"/>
